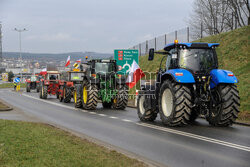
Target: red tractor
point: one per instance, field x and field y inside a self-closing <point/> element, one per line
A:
<point x="50" y="84"/>
<point x="70" y="79"/>
<point x="66" y="88"/>
<point x="32" y="83"/>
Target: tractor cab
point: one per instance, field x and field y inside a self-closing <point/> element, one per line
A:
<point x="197" y="58"/>
<point x="103" y="67"/>
<point x="53" y="76"/>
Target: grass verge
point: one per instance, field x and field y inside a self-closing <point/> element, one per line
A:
<point x="35" y="144"/>
<point x="11" y="85"/>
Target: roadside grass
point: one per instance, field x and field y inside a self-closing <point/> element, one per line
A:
<point x="11" y="85"/>
<point x="36" y="144"/>
<point x="233" y="54"/>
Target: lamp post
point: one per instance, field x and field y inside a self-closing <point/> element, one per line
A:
<point x="20" y="48"/>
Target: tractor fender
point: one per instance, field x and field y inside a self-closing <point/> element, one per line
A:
<point x="69" y="84"/>
<point x="179" y="75"/>
<point x="61" y="82"/>
<point x="222" y="76"/>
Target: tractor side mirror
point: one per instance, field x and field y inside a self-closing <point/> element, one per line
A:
<point x="151" y="54"/>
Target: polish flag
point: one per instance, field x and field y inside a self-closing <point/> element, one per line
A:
<point x="79" y="61"/>
<point x="44" y="71"/>
<point x="134" y="75"/>
<point x="68" y="61"/>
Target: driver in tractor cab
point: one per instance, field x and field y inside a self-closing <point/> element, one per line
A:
<point x="53" y="77"/>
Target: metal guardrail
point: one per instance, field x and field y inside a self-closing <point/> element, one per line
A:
<point x="182" y="35"/>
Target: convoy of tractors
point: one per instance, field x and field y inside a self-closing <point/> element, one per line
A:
<point x="188" y="84"/>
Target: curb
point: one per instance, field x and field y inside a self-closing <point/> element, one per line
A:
<point x="242" y="123"/>
<point x="6" y="109"/>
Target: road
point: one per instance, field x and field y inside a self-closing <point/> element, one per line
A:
<point x="196" y="145"/>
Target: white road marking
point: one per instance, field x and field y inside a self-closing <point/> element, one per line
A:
<point x="46" y="101"/>
<point x="82" y="110"/>
<point x="103" y="115"/>
<point x="126" y="120"/>
<point x="165" y="129"/>
<point x="92" y="113"/>
<point x="207" y="139"/>
<point x="113" y="117"/>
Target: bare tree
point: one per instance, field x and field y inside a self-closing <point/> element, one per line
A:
<point x="241" y="11"/>
<point x="215" y="16"/>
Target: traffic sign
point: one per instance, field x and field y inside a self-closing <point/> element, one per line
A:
<point x="124" y="59"/>
<point x="17" y="80"/>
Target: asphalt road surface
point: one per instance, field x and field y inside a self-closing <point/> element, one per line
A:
<point x="196" y="145"/>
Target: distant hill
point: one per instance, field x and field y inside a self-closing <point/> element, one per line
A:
<point x="57" y="56"/>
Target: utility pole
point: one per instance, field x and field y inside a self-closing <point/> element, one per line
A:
<point x="20" y="49"/>
<point x="1" y="51"/>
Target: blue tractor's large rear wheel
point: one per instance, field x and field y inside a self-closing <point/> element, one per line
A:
<point x="226" y="109"/>
<point x="175" y="103"/>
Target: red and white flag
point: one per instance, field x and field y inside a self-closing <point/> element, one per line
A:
<point x="68" y="61"/>
<point x="44" y="71"/>
<point x="134" y="75"/>
<point x="79" y="61"/>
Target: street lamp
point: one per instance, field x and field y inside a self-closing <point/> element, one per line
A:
<point x="20" y="48"/>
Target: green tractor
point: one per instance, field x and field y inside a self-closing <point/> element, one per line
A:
<point x="101" y="84"/>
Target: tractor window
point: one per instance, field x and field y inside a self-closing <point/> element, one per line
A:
<point x="197" y="60"/>
<point x="76" y="76"/>
<point x="104" y="67"/>
<point x="53" y="76"/>
<point x="33" y="78"/>
<point x="168" y="62"/>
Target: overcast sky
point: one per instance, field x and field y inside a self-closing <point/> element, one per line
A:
<point x="56" y="26"/>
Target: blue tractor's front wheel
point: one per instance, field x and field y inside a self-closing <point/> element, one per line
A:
<point x="175" y="103"/>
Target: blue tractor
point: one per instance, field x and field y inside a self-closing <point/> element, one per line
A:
<point x="190" y="84"/>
